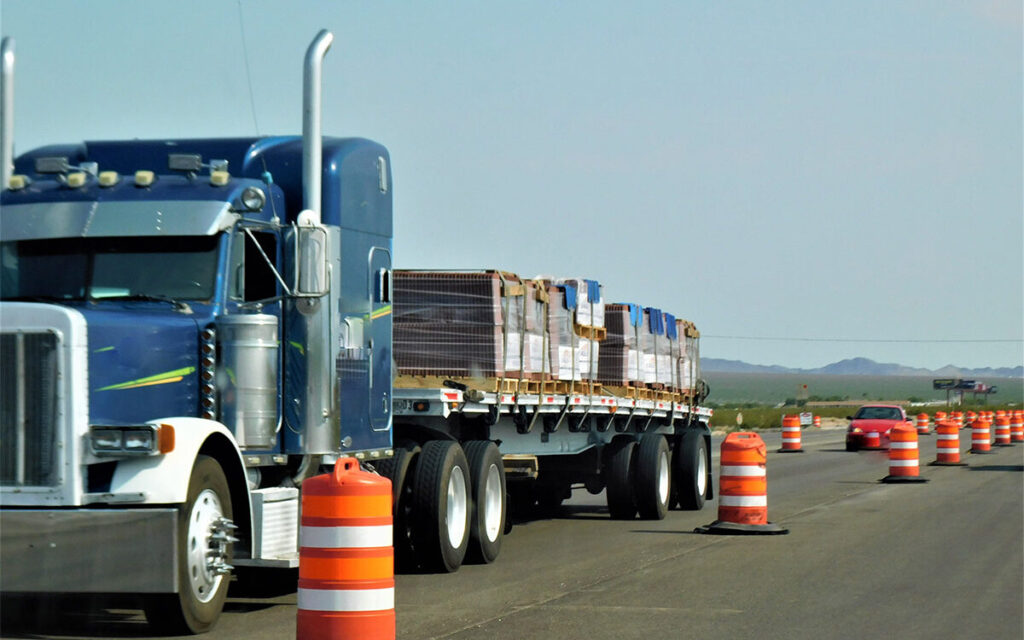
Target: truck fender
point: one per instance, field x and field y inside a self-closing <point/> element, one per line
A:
<point x="163" y="479"/>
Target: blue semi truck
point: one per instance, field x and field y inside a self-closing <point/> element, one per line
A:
<point x="190" y="328"/>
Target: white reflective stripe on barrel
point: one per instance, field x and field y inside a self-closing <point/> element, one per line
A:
<point x="345" y="537"/>
<point x="946" y="450"/>
<point x="743" y="501"/>
<point x="346" y="599"/>
<point x="902" y="445"/>
<point x="903" y="463"/>
<point x="751" y="471"/>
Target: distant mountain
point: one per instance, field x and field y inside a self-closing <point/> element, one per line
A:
<point x="862" y="367"/>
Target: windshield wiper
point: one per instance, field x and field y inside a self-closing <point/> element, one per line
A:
<point x="148" y="297"/>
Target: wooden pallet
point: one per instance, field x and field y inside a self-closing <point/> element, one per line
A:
<point x="557" y="387"/>
<point x="589" y="332"/>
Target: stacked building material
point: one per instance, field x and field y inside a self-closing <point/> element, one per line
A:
<point x="493" y="324"/>
<point x="648" y="359"/>
<point x="689" y="361"/>
<point x="586" y="301"/>
<point x="468" y="324"/>
<point x="574" y="347"/>
<point x="667" y="372"/>
<point x="560" y="336"/>
<point x="676" y="350"/>
<point x="618" y="364"/>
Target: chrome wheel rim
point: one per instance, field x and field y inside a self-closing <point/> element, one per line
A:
<point x="206" y="512"/>
<point x="663" y="476"/>
<point x="702" y="470"/>
<point x="457" y="508"/>
<point x="492" y="503"/>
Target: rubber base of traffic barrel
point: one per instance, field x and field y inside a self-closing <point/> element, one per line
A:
<point x="789" y="451"/>
<point x="902" y="479"/>
<point x="1003" y="444"/>
<point x="980" y="453"/>
<point x="734" y="529"/>
<point x="947" y="464"/>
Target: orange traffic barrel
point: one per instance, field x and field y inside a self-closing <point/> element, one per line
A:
<point x="1003" y="430"/>
<point x="947" y="445"/>
<point x="790" y="435"/>
<point x="981" y="436"/>
<point x="817" y="421"/>
<point x="871" y="440"/>
<point x="958" y="418"/>
<point x="971" y="417"/>
<point x="346" y="557"/>
<point x="903" y="459"/>
<point x="743" y="488"/>
<point x="1017" y="427"/>
<point x="922" y="424"/>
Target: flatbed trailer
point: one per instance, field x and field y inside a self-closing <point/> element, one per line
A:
<point x="648" y="454"/>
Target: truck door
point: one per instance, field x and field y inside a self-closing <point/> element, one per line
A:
<point x="379" y="289"/>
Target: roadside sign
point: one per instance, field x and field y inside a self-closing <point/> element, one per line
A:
<point x="806" y="419"/>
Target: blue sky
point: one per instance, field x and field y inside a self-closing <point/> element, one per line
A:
<point x="849" y="173"/>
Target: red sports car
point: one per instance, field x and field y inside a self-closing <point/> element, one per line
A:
<point x="869" y="427"/>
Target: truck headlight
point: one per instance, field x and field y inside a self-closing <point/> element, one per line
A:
<point x="139" y="440"/>
<point x="104" y="440"/>
<point x="131" y="440"/>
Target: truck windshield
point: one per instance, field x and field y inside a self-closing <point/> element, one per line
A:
<point x="166" y="267"/>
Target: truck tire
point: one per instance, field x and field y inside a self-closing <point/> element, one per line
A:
<point x="653" y="482"/>
<point x="690" y="469"/>
<point x="487" y="520"/>
<point x="399" y="469"/>
<point x="201" y="593"/>
<point x="618" y="467"/>
<point x="441" y="507"/>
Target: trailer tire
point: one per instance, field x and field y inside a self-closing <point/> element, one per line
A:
<point x="488" y="511"/>
<point x="200" y="598"/>
<point x="653" y="477"/>
<point x="690" y="469"/>
<point x="618" y="467"/>
<point x="441" y="506"/>
<point x="400" y="470"/>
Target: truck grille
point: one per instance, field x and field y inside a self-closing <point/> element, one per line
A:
<point x="28" y="409"/>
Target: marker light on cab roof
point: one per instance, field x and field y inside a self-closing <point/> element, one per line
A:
<point x="108" y="178"/>
<point x="144" y="178"/>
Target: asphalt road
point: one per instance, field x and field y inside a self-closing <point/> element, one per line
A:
<point x="944" y="559"/>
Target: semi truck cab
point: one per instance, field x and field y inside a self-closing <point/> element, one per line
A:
<point x="189" y="328"/>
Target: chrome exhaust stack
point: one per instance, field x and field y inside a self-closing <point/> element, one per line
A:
<point x="312" y="143"/>
<point x="7" y="113"/>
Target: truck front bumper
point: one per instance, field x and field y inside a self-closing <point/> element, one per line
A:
<point x="88" y="550"/>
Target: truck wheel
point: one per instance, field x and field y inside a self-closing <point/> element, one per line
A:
<point x="690" y="469"/>
<point x="487" y="522"/>
<point x="400" y="470"/>
<point x="203" y="553"/>
<point x="618" y="466"/>
<point x="652" y="477"/>
<point x="440" y="513"/>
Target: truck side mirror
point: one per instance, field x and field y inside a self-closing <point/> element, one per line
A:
<point x="312" y="273"/>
